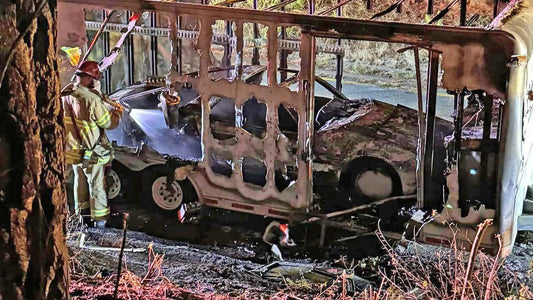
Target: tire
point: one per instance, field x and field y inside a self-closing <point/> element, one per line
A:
<point x="156" y="195"/>
<point x="369" y="179"/>
<point x="117" y="181"/>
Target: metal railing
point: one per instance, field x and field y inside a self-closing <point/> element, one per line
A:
<point x="219" y="39"/>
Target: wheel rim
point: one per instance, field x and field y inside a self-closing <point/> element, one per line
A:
<point x="374" y="184"/>
<point x="167" y="199"/>
<point x="113" y="185"/>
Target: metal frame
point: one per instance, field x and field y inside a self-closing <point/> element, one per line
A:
<point x="153" y="45"/>
<point x="218" y="39"/>
<point x="270" y="150"/>
<point x="498" y="47"/>
<point x="130" y="53"/>
<point x="431" y="101"/>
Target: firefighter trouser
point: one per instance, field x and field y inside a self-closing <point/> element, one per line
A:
<point x="89" y="191"/>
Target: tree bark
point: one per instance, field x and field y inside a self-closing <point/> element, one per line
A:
<point x="33" y="252"/>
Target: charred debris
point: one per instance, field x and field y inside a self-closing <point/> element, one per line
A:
<point x="241" y="122"/>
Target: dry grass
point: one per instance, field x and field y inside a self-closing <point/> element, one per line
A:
<point x="437" y="273"/>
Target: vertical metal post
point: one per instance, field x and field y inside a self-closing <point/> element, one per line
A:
<point x="340" y="62"/>
<point x="431" y="101"/>
<point x="486" y="192"/>
<point x="430" y="7"/>
<point x="130" y="53"/>
<point x="153" y="45"/>
<point x="399" y="8"/>
<point x="179" y="43"/>
<point x="500" y="116"/>
<point x="106" y="52"/>
<point x="458" y="122"/>
<point x="462" y="17"/>
<point x="311" y="7"/>
<point x="173" y="37"/>
<point x="487" y="117"/>
<point x="255" y="55"/>
<point x="421" y="125"/>
<point x="226" y="60"/>
<point x="495" y="10"/>
<point x="283" y="53"/>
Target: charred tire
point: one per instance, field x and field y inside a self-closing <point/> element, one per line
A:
<point x="155" y="193"/>
<point x="369" y="179"/>
<point x="116" y="181"/>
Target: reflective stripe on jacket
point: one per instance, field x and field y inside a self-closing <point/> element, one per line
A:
<point x="91" y="115"/>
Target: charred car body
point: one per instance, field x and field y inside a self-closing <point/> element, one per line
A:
<point x="364" y="150"/>
<point x="485" y="153"/>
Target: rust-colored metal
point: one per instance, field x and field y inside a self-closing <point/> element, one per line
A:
<point x="471" y="58"/>
<point x="270" y="150"/>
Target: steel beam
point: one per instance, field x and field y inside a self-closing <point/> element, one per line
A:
<point x="459" y="98"/>
<point x="218" y="39"/>
<point x="431" y="101"/>
<point x="107" y="78"/>
<point x="321" y="26"/>
<point x="421" y="134"/>
<point x="255" y="55"/>
<point x="485" y="153"/>
<point x="283" y="53"/>
<point x="153" y="45"/>
<point x="180" y="48"/>
<point x="340" y="64"/>
<point x="130" y="52"/>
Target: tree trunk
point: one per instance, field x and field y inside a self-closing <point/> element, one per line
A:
<point x="33" y="252"/>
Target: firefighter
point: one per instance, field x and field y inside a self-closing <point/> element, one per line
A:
<point x="87" y="148"/>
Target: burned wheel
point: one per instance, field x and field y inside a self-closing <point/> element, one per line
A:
<point x="369" y="179"/>
<point x="166" y="198"/>
<point x="113" y="184"/>
<point x="116" y="181"/>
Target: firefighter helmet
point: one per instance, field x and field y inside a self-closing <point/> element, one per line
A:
<point x="89" y="68"/>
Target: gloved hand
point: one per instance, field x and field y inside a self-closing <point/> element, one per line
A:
<point x="117" y="111"/>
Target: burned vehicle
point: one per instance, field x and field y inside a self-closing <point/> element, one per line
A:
<point x="146" y="139"/>
<point x="269" y="149"/>
<point x="364" y="149"/>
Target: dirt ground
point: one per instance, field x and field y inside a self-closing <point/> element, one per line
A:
<point x="200" y="269"/>
<point x="220" y="257"/>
